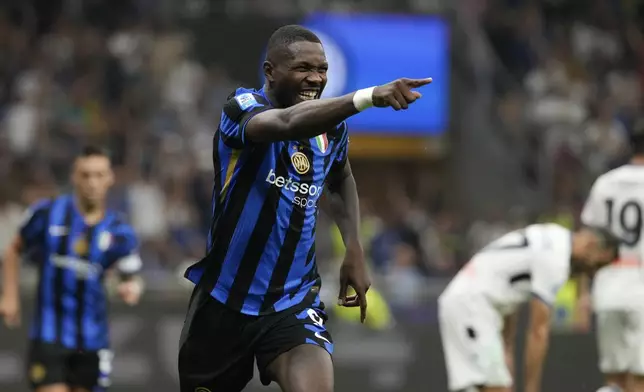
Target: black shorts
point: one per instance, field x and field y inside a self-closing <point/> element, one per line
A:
<point x="218" y="345"/>
<point x="53" y="364"/>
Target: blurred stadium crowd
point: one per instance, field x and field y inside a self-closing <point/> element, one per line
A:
<point x="567" y="87"/>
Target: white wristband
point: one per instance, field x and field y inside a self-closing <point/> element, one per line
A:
<point x="363" y="99"/>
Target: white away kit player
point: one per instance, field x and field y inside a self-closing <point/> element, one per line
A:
<point x="616" y="201"/>
<point x="478" y="309"/>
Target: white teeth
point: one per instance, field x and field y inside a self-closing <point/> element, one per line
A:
<point x="308" y="95"/>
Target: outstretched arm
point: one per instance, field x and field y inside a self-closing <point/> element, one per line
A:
<point x="311" y="118"/>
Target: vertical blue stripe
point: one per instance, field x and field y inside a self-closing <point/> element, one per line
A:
<point x="224" y="156"/>
<point x="245" y="226"/>
<point x="48" y="319"/>
<point x="241" y="161"/>
<point x="268" y="261"/>
<point x="95" y="333"/>
<point x="70" y="302"/>
<point x="299" y="269"/>
<point x="262" y="278"/>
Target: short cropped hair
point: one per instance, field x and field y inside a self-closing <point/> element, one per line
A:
<point x="93" y="151"/>
<point x="285" y="36"/>
<point x="637" y="137"/>
<point x="607" y="239"/>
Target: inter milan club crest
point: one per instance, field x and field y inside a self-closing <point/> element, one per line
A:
<point x="300" y="162"/>
<point x="37" y="373"/>
<point x="81" y="247"/>
<point x="322" y="142"/>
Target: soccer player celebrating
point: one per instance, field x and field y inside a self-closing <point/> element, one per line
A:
<point x="256" y="294"/>
<point x="74" y="240"/>
<point x="478" y="309"/>
<point x="616" y="201"/>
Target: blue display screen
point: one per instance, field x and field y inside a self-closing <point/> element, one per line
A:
<point x="365" y="50"/>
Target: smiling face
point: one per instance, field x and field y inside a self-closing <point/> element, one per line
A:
<point x="300" y="74"/>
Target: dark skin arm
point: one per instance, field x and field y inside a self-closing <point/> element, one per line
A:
<point x="302" y="121"/>
<point x="343" y="206"/>
<point x="311" y="118"/>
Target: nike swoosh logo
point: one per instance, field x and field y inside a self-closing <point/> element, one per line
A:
<point x="319" y="336"/>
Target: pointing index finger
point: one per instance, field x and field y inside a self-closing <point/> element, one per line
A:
<point x="418" y="82"/>
<point x="362" y="298"/>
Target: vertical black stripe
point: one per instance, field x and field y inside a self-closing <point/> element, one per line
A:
<point x="259" y="237"/>
<point x="328" y="162"/>
<point x="292" y="238"/>
<point x="45" y="252"/>
<point x="312" y="274"/>
<point x="90" y="238"/>
<point x="59" y="284"/>
<point x="223" y="233"/>
<point x="311" y="255"/>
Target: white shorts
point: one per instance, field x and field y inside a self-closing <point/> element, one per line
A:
<point x="471" y="332"/>
<point x="620" y="340"/>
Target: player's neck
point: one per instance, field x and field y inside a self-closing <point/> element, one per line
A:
<point x="637" y="160"/>
<point x="271" y="96"/>
<point x="92" y="213"/>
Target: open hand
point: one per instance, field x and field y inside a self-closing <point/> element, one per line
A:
<point x="398" y="94"/>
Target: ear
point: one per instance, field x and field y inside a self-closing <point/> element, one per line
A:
<point x="268" y="71"/>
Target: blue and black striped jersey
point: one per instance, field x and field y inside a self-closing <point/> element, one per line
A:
<point x="71" y="305"/>
<point x="261" y="253"/>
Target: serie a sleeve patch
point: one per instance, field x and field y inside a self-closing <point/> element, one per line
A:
<point x="245" y="100"/>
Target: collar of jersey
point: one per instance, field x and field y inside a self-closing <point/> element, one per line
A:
<point x="263" y="94"/>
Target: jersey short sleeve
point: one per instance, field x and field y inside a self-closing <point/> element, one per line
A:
<point x="343" y="145"/>
<point x="549" y="274"/>
<point x="33" y="228"/>
<point x="126" y="251"/>
<point x="594" y="212"/>
<point x="238" y="110"/>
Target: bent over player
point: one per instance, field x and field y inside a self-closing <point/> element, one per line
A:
<point x="256" y="295"/>
<point x="74" y="239"/>
<point x="616" y="201"/>
<point x="478" y="309"/>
